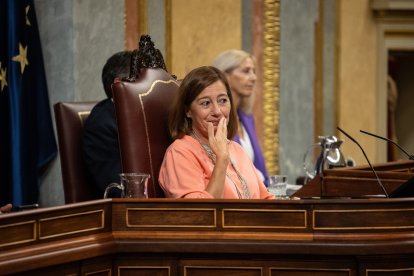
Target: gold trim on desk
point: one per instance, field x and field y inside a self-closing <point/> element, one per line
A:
<point x="99" y="271"/>
<point x="315" y="212"/>
<point x="311" y="269"/>
<point x="42" y="221"/>
<point x="142" y="210"/>
<point x="222" y="267"/>
<point x="143" y="267"/>
<point x="33" y="222"/>
<point x="270" y="211"/>
<point x="367" y="271"/>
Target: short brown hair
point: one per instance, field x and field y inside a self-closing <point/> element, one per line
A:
<point x="191" y="86"/>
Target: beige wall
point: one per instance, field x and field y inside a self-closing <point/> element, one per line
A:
<point x="200" y="30"/>
<point x="357" y="78"/>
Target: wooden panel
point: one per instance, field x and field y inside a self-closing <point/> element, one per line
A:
<point x="363" y="219"/>
<point x="103" y="272"/>
<point x="390" y="272"/>
<point x="170" y="217"/>
<point x="144" y="270"/>
<point x="101" y="266"/>
<point x="245" y="218"/>
<point x="68" y="269"/>
<point x="388" y="265"/>
<point x="219" y="265"/>
<point x="17" y="233"/>
<point x="228" y="271"/>
<point x="70" y="224"/>
<point x="310" y="271"/>
<point x="142" y="265"/>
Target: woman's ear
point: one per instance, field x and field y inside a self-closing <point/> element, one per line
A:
<point x="187" y="112"/>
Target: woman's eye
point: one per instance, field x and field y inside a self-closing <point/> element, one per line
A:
<point x="205" y="103"/>
<point x="223" y="101"/>
<point x="249" y="71"/>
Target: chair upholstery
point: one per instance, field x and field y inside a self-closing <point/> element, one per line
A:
<point x="77" y="182"/>
<point x="141" y="109"/>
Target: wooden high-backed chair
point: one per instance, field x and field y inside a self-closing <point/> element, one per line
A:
<point x="77" y="182"/>
<point x="142" y="110"/>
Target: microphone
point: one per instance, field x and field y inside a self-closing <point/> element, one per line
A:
<point x="410" y="156"/>
<point x="366" y="157"/>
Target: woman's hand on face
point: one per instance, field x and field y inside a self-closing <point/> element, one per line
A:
<point x="218" y="140"/>
<point x="219" y="146"/>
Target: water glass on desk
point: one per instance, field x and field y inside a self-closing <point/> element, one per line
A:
<point x="133" y="185"/>
<point x="278" y="185"/>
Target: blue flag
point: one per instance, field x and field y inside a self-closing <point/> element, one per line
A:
<point x="27" y="141"/>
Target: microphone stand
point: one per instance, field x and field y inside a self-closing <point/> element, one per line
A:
<point x="410" y="156"/>
<point x="366" y="157"/>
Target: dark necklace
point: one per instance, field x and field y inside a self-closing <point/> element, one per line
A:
<point x="212" y="156"/>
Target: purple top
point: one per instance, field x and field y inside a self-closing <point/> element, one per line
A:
<point x="248" y="122"/>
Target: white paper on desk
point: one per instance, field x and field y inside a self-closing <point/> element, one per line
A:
<point x="291" y="189"/>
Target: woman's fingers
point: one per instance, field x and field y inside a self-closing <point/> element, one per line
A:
<point x="222" y="129"/>
<point x="225" y="128"/>
<point x="218" y="139"/>
<point x="210" y="129"/>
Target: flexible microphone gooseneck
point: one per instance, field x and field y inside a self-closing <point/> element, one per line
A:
<point x="366" y="157"/>
<point x="410" y="156"/>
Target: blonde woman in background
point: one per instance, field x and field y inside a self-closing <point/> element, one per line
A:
<point x="239" y="68"/>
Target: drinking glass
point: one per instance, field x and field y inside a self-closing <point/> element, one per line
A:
<point x="133" y="185"/>
<point x="278" y="185"/>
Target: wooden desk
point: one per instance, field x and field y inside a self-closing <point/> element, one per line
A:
<point x="211" y="237"/>
<point x="360" y="181"/>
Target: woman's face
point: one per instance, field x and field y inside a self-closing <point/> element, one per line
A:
<point x="242" y="79"/>
<point x="210" y="106"/>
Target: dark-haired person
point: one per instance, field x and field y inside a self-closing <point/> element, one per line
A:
<point x="203" y="161"/>
<point x="100" y="135"/>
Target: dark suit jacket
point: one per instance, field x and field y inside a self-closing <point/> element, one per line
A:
<point x="101" y="147"/>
